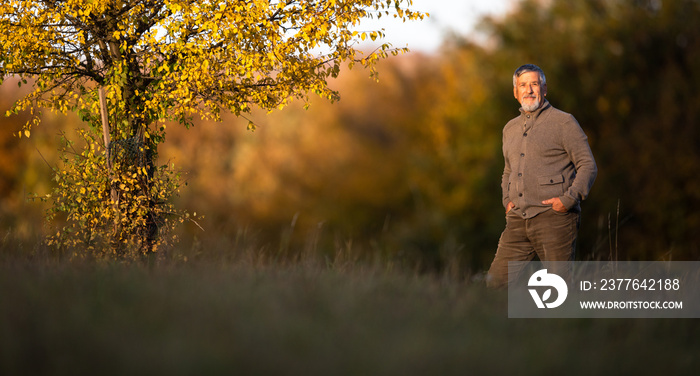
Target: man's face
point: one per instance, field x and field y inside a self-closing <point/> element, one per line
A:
<point x="529" y="91"/>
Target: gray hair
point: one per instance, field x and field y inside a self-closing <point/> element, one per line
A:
<point x="529" y="68"/>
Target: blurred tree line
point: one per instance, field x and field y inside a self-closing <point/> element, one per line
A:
<point x="408" y="170"/>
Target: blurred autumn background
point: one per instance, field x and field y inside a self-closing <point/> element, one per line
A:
<point x="407" y="170"/>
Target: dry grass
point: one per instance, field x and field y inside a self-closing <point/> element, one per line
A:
<point x="248" y="315"/>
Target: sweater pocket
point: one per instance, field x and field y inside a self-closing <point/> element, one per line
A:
<point x="550" y="186"/>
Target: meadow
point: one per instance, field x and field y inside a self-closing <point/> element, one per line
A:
<point x="245" y="314"/>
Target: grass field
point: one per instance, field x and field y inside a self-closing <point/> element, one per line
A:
<point x="301" y="318"/>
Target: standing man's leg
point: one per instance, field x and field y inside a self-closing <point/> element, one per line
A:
<point x="514" y="245"/>
<point x="554" y="235"/>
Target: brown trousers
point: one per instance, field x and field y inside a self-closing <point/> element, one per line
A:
<point x="551" y="236"/>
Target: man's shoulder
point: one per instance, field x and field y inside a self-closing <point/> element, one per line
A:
<point x="557" y="115"/>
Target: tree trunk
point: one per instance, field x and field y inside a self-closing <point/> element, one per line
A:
<point x="113" y="194"/>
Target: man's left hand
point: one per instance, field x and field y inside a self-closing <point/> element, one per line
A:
<point x="556" y="204"/>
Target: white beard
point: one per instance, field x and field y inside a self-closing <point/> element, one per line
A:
<point x="532" y="107"/>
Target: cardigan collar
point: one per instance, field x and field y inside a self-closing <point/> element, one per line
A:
<point x="538" y="111"/>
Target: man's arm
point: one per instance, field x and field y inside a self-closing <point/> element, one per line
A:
<point x="576" y="145"/>
<point x="505" y="179"/>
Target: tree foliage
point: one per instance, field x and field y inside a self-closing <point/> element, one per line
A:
<point x="162" y="59"/>
<point x="159" y="60"/>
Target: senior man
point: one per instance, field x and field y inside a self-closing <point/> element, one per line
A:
<point x="549" y="169"/>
